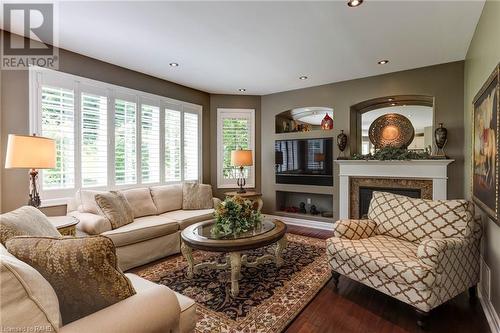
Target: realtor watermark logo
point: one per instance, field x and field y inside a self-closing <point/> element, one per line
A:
<point x="28" y="35"/>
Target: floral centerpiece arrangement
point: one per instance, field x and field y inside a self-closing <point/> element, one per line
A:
<point x="234" y="216"/>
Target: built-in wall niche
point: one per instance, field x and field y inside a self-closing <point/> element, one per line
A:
<point x="417" y="109"/>
<point x="304" y="119"/>
<point x="290" y="204"/>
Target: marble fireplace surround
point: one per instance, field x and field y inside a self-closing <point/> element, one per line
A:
<point x="430" y="176"/>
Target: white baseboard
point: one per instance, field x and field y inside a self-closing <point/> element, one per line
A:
<point x="489" y="311"/>
<point x="303" y="222"/>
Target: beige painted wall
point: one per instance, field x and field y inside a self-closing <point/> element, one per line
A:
<point x="15" y="112"/>
<point x="483" y="55"/>
<point x="444" y="82"/>
<point x="237" y="102"/>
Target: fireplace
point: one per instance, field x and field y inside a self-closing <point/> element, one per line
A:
<point x="362" y="189"/>
<point x="366" y="193"/>
<point x="429" y="177"/>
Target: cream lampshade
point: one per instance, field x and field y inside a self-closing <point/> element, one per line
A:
<point x="241" y="158"/>
<point x="30" y="152"/>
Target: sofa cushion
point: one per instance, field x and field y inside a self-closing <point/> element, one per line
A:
<point x="187" y="217"/>
<point x="27" y="300"/>
<point x="82" y="271"/>
<point x="167" y="197"/>
<point x="142" y="229"/>
<point x="382" y="256"/>
<point x="116" y="208"/>
<point x="141" y="201"/>
<point x="415" y="220"/>
<point x="27" y="221"/>
<point x="87" y="201"/>
<point x="196" y="196"/>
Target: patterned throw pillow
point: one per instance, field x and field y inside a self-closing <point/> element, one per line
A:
<point x="415" y="220"/>
<point x="196" y="196"/>
<point x="83" y="271"/>
<point x="25" y="221"/>
<point x="116" y="208"/>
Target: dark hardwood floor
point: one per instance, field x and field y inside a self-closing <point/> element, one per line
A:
<point x="355" y="308"/>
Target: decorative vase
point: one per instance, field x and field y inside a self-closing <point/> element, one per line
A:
<point x="342" y="144"/>
<point x="327" y="123"/>
<point x="441" y="138"/>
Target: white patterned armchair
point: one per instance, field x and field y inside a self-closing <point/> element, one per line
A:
<point x="421" y="252"/>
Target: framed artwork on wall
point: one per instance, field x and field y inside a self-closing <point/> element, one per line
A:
<point x="485" y="142"/>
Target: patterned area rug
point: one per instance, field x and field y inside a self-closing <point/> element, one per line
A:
<point x="269" y="299"/>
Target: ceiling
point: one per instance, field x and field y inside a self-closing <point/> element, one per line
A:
<point x="420" y="116"/>
<point x="265" y="46"/>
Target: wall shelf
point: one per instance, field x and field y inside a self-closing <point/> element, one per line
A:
<point x="304" y="188"/>
<point x="318" y="218"/>
<point x="304" y="135"/>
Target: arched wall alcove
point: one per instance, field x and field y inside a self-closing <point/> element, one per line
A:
<point x="388" y="103"/>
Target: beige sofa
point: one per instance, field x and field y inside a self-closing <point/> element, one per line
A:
<point x="158" y="222"/>
<point x="28" y="303"/>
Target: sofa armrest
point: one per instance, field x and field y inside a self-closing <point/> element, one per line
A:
<point x="216" y="202"/>
<point x="150" y="311"/>
<point x="90" y="223"/>
<point x="354" y="229"/>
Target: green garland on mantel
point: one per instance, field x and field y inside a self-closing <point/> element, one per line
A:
<point x="391" y="153"/>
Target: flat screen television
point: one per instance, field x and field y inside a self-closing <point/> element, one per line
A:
<point x="304" y="161"/>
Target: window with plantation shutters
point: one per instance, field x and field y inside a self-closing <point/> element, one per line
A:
<point x="94" y="142"/>
<point x="191" y="147"/>
<point x="172" y="145"/>
<point x="58" y="123"/>
<point x="150" y="144"/>
<point x="235" y="130"/>
<point x="111" y="137"/>
<point x="125" y="142"/>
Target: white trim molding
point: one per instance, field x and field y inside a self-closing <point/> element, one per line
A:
<point x="435" y="170"/>
<point x="489" y="311"/>
<point x="302" y="222"/>
<point x="246" y="114"/>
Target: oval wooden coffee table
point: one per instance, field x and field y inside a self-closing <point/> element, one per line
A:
<point x="199" y="237"/>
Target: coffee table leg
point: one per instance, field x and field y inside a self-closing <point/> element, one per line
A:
<point x="235" y="258"/>
<point x="280" y="246"/>
<point x="187" y="252"/>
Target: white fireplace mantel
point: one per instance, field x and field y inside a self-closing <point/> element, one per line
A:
<point x="435" y="170"/>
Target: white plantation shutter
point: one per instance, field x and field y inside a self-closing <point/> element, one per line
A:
<point x="58" y="123"/>
<point x="94" y="144"/>
<point x="150" y="144"/>
<point x="191" y="146"/>
<point x="125" y="142"/>
<point x="109" y="136"/>
<point x="235" y="130"/>
<point x="172" y="145"/>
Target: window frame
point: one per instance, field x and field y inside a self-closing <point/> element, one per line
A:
<point x="242" y="113"/>
<point x="39" y="77"/>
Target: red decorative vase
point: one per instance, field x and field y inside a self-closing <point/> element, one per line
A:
<point x="327" y="123"/>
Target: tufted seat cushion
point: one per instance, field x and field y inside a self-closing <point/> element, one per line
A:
<point x="142" y="229"/>
<point x="382" y="257"/>
<point x="187" y="217"/>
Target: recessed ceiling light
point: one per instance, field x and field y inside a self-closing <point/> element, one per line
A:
<point x="303" y="77"/>
<point x="242" y="89"/>
<point x="174" y="64"/>
<point x="383" y="62"/>
<point x="393" y="104"/>
<point x="354" y="3"/>
<point x="390" y="99"/>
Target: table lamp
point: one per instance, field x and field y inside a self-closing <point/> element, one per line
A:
<point x="30" y="152"/>
<point x="241" y="158"/>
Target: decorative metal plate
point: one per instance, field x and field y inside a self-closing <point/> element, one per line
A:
<point x="391" y="130"/>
